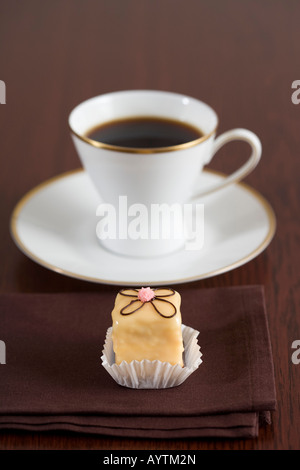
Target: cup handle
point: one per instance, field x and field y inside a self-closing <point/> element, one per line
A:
<point x="244" y="170"/>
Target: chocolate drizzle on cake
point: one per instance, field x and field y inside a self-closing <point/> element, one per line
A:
<point x="154" y="301"/>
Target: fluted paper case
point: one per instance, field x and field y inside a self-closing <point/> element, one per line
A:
<point x="153" y="374"/>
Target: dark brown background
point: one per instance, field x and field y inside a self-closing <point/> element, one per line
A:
<point x="239" y="56"/>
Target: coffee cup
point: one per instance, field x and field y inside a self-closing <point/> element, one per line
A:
<point x="164" y="174"/>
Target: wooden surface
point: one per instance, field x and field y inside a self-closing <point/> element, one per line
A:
<point x="239" y="56"/>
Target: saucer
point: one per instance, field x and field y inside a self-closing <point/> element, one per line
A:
<point x="54" y="224"/>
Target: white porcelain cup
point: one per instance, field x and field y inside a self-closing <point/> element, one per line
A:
<point x="152" y="176"/>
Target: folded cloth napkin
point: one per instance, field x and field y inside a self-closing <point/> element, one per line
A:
<point x="53" y="378"/>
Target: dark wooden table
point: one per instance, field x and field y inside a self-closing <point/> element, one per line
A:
<point x="239" y="56"/>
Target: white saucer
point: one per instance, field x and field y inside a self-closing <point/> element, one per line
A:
<point x="55" y="225"/>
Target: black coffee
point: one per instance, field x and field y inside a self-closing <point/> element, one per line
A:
<point x="144" y="132"/>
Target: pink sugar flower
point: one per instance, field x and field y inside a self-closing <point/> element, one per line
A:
<point x="146" y="294"/>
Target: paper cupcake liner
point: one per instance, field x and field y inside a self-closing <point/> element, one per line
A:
<point x="153" y="374"/>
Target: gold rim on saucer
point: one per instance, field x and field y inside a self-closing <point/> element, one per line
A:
<point x="18" y="208"/>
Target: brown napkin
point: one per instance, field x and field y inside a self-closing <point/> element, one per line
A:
<point x="53" y="378"/>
